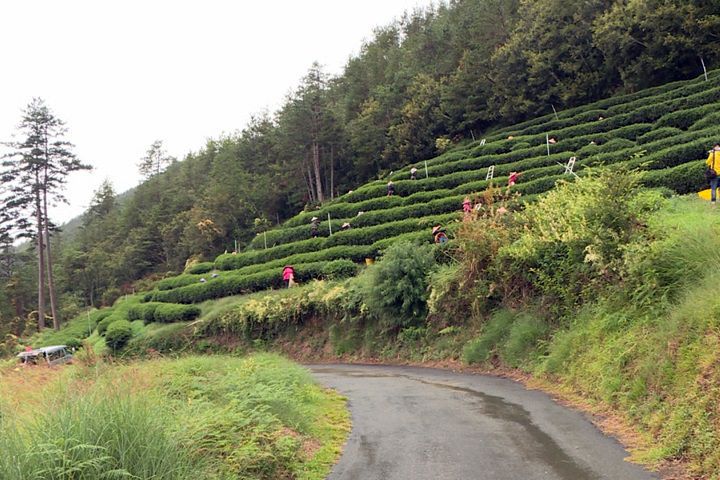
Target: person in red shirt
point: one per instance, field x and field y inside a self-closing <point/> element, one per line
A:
<point x="512" y="179"/>
<point x="288" y="275"/>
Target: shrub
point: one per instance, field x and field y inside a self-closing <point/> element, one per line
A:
<point x="198" y="268"/>
<point x="684" y="119"/>
<point x="105" y="322"/>
<point x="520" y="146"/>
<point x="143" y="311"/>
<point x="178" y="281"/>
<point x="397" y="288"/>
<point x="658" y="134"/>
<point x="686" y="178"/>
<point x="573" y="238"/>
<point x="236" y="283"/>
<point x="709" y="121"/>
<point x="339" y="269"/>
<point x="170" y="313"/>
<point x="118" y="334"/>
<point x="615" y="144"/>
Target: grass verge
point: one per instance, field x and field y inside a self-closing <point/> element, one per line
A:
<point x="217" y="417"/>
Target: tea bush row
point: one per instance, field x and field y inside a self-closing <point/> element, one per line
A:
<point x="163" y="312"/>
<point x="234" y="284"/>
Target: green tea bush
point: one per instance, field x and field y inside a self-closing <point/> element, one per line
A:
<point x="202" y="267"/>
<point x="614" y="145"/>
<point x="659" y="134"/>
<point x="142" y="311"/>
<point x="179" y="281"/>
<point x="105" y="322"/>
<point x="170" y="313"/>
<point x="684" y="119"/>
<point x="236" y="283"/>
<point x="118" y="334"/>
<point x="339" y="269"/>
<point x="520" y="146"/>
<point x="356" y="236"/>
<point x="164" y="338"/>
<point x="686" y="178"/>
<point x="709" y="121"/>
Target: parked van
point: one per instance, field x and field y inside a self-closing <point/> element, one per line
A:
<point x="55" y="355"/>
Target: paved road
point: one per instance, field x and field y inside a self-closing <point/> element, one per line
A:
<point x="427" y="424"/>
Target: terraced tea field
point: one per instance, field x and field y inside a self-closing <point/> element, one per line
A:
<point x="664" y="131"/>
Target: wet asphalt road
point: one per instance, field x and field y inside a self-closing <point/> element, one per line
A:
<point x="426" y="424"/>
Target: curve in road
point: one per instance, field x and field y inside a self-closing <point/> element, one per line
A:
<point x="418" y="423"/>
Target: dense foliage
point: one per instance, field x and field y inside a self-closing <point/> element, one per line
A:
<point x="434" y="77"/>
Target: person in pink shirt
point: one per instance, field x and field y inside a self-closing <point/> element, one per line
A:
<point x="513" y="178"/>
<point x="467" y="207"/>
<point x="288" y="275"/>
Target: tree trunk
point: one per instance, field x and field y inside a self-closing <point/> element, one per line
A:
<point x="307" y="175"/>
<point x="332" y="172"/>
<point x="316" y="167"/>
<point x="51" y="282"/>
<point x="41" y="261"/>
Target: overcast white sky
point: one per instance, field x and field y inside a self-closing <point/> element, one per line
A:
<point x="123" y="74"/>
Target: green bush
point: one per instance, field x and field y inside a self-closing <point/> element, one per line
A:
<point x="170" y="313"/>
<point x="684" y="119"/>
<point x="118" y="334"/>
<point x="178" y="281"/>
<point x="397" y="285"/>
<point x="339" y="269"/>
<point x="615" y="144"/>
<point x="356" y="236"/>
<point x="659" y="134"/>
<point x="686" y="178"/>
<point x="202" y="267"/>
<point x="142" y="311"/>
<point x="105" y="322"/>
<point x="711" y="120"/>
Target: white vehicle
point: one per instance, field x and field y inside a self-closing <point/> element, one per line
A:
<point x="55" y="355"/>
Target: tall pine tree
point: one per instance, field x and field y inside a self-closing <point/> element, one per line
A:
<point x="36" y="170"/>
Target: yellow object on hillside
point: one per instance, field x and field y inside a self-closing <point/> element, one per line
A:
<point x="704" y="194"/>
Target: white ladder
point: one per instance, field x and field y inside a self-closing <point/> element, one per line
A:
<point x="490" y="173"/>
<point x="570" y="165"/>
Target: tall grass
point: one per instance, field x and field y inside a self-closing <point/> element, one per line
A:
<point x="92" y="435"/>
<point x="209" y="418"/>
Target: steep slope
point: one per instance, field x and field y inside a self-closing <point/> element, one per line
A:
<point x="664" y="131"/>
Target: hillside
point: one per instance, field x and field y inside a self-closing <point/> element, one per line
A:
<point x="664" y="131"/>
<point x="597" y="286"/>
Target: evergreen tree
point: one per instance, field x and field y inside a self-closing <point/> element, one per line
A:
<point x="155" y="161"/>
<point x="37" y="168"/>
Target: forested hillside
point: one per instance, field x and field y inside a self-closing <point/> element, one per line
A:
<point x="419" y="87"/>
